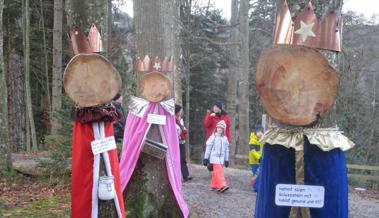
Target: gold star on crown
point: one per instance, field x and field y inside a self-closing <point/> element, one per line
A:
<point x="306" y="30"/>
<point x="156" y="65"/>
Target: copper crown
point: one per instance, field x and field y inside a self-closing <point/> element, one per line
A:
<point x="86" y="44"/>
<point x="306" y="30"/>
<point x="156" y="65"/>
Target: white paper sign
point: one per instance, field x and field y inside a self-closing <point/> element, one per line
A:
<point x="103" y="145"/>
<point x="156" y="119"/>
<point x="299" y="195"/>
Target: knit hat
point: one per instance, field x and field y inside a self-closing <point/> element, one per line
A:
<point x="221" y="124"/>
<point x="218" y="104"/>
<point x="177" y="108"/>
<point x="117" y="96"/>
<point x="258" y="128"/>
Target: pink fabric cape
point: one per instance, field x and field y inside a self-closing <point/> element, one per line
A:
<point x="134" y="135"/>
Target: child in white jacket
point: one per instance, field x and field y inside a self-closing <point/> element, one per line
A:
<point x="217" y="154"/>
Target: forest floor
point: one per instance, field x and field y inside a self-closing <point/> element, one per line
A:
<point x="23" y="196"/>
<point x="27" y="197"/>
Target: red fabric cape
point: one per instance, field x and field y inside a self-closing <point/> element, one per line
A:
<point x="82" y="170"/>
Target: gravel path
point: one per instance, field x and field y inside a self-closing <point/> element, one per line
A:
<point x="363" y="207"/>
<point x="238" y="201"/>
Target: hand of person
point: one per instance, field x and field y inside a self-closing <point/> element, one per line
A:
<point x="205" y="162"/>
<point x="226" y="164"/>
<point x="213" y="114"/>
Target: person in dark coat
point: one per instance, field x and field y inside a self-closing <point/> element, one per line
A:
<point x="119" y="125"/>
<point x="213" y="117"/>
<point x="182" y="131"/>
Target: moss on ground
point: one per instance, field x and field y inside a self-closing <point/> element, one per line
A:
<point x="193" y="215"/>
<point x="55" y="206"/>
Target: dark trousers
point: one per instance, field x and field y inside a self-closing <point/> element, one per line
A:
<point x="183" y="162"/>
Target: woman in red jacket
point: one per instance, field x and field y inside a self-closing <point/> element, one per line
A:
<point x="213" y="117"/>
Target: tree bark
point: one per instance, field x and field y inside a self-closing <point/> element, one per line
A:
<point x="185" y="18"/>
<point x="103" y="19"/>
<point x="56" y="100"/>
<point x="244" y="79"/>
<point x="28" y="97"/>
<point x="87" y="12"/>
<point x="178" y="76"/>
<point x="178" y="55"/>
<point x="15" y="86"/>
<point x="155" y="24"/>
<point x="47" y="99"/>
<point x="5" y="149"/>
<point x="109" y="27"/>
<point x="232" y="76"/>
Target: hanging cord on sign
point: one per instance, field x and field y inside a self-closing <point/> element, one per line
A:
<point x="99" y="133"/>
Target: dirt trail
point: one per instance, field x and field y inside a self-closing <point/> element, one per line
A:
<point x="239" y="202"/>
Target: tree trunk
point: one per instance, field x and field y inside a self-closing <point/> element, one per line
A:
<point x="232" y="76"/>
<point x="76" y="14"/>
<point x="109" y="27"/>
<point x="28" y="94"/>
<point x="86" y="12"/>
<point x="5" y="149"/>
<point x="16" y="100"/>
<point x="185" y="18"/>
<point x="149" y="193"/>
<point x="187" y="112"/>
<point x="103" y="19"/>
<point x="56" y="100"/>
<point x="244" y="79"/>
<point x="47" y="100"/>
<point x="15" y="87"/>
<point x="178" y="55"/>
<point x="178" y="76"/>
<point x="6" y="71"/>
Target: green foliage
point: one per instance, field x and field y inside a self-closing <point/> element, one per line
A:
<point x="60" y="145"/>
<point x="8" y="174"/>
<point x="2" y="206"/>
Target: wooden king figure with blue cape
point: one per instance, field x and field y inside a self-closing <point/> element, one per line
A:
<point x="298" y="86"/>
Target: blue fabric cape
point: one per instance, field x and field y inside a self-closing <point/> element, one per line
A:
<point x="321" y="168"/>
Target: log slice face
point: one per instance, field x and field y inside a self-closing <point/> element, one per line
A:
<point x="90" y="80"/>
<point x="155" y="87"/>
<point x="297" y="86"/>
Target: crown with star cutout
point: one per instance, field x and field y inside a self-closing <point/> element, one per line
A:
<point x="155" y="65"/>
<point x="306" y="30"/>
<point x="85" y="44"/>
